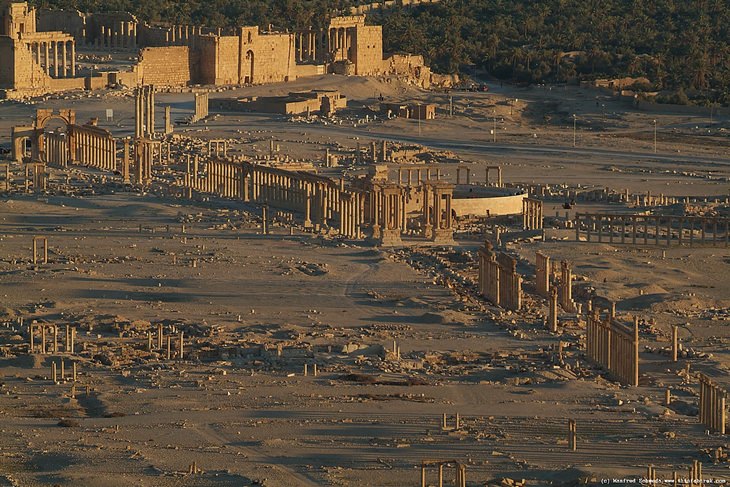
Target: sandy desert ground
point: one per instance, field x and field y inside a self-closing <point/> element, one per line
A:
<point x="255" y="309"/>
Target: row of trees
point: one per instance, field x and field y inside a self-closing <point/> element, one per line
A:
<point x="677" y="44"/>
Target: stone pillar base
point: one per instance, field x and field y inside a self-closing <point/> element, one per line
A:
<point x="443" y="236"/>
<point x="390" y="238"/>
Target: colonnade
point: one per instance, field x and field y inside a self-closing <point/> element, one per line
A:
<point x="93" y="147"/>
<point x="386" y="213"/>
<point x="183" y="35"/>
<point x="119" y="34"/>
<point x="144" y="154"/>
<point x="49" y="333"/>
<point x="224" y="178"/>
<point x="144" y="111"/>
<point x="498" y="183"/>
<point x="565" y="290"/>
<point x="57" y="149"/>
<point x="340" y="42"/>
<point x="56" y="57"/>
<point x="614" y="347"/>
<point x="423" y="173"/>
<point x="712" y="405"/>
<point x="305" y="44"/>
<point x="532" y="214"/>
<point x="459" y="472"/>
<point x="498" y="279"/>
<point x="652" y="229"/>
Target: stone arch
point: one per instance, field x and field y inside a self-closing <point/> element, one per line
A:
<point x="22" y="143"/>
<point x="43" y="118"/>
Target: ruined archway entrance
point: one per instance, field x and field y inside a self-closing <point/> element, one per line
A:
<point x="29" y="143"/>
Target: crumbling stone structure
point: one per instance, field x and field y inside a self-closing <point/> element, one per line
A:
<point x="532" y="216"/>
<point x="144" y="111"/>
<point x="712" y="405"/>
<point x="33" y="62"/>
<point x="542" y="274"/>
<point x="320" y="102"/>
<point x="565" y="291"/>
<point x="614" y="347"/>
<point x="86" y="144"/>
<point x="201" y="107"/>
<point x="460" y="469"/>
<point x="44" y="61"/>
<point x="499" y="281"/>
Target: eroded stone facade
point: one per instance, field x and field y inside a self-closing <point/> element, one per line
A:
<point x="42" y="59"/>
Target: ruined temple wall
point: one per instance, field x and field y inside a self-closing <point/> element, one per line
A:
<point x="369" y="50"/>
<point x="495" y="206"/>
<point x="69" y="21"/>
<point x="274" y="57"/>
<point x="227" y="60"/>
<point x="304" y="70"/>
<point x="207" y="55"/>
<point x="165" y="66"/>
<point x="25" y="73"/>
<point x="66" y="84"/>
<point x="151" y="36"/>
<point x="7" y="67"/>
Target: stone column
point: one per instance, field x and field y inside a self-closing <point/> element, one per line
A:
<point x="125" y="163"/>
<point x="47" y="58"/>
<point x="55" y="59"/>
<point x="553" y="311"/>
<point x="73" y="59"/>
<point x="64" y="57"/>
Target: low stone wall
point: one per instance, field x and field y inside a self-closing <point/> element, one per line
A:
<point x="482" y="201"/>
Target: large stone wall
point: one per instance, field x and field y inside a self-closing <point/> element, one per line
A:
<point x="368" y="50"/>
<point x="249" y="57"/>
<point x="165" y="66"/>
<point x="494" y="205"/>
<point x="69" y="21"/>
<point x="7" y="75"/>
<point x="21" y="70"/>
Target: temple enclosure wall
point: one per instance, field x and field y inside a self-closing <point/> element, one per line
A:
<point x="169" y="66"/>
<point x="176" y="55"/>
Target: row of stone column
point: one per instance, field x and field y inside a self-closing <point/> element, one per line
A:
<point x="226" y="179"/>
<point x="118" y="35"/>
<point x="56" y="58"/>
<point x="614" y="347"/>
<point x="56" y="149"/>
<point x="340" y="42"/>
<point x="144" y="111"/>
<point x="532" y="214"/>
<point x="423" y="174"/>
<point x="565" y="290"/>
<point x="712" y="411"/>
<point x="183" y="35"/>
<point x="498" y="279"/>
<point x="94" y="149"/>
<point x="143" y="161"/>
<point x="459" y="473"/>
<point x="351" y="214"/>
<point x="48" y="335"/>
<point x="35" y="175"/>
<point x="653" y="229"/>
<point x="305" y="44"/>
